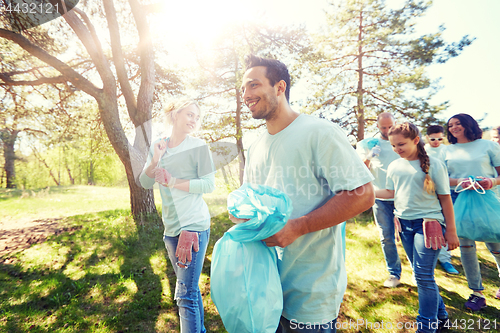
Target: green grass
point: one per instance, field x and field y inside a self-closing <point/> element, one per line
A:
<point x="367" y="300"/>
<point x="108" y="274"/>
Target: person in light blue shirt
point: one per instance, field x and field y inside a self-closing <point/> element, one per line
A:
<point x="435" y="148"/>
<point x="470" y="155"/>
<point x="377" y="154"/>
<point x="435" y="137"/>
<point x="312" y="161"/>
<point x="183" y="167"/>
<point x="424" y="214"/>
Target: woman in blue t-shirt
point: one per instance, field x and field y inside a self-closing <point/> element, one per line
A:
<point x="423" y="215"/>
<point x="469" y="155"/>
<point x="183" y="167"/>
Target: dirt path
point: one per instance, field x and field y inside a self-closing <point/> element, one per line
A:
<point x="17" y="235"/>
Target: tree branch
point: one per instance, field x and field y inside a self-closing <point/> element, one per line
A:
<point x="146" y="89"/>
<point x="87" y="35"/>
<point x="45" y="80"/>
<point x="118" y="59"/>
<point x="71" y="75"/>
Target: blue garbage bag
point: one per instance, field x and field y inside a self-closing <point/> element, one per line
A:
<point x="244" y="280"/>
<point x="370" y="143"/>
<point x="477" y="216"/>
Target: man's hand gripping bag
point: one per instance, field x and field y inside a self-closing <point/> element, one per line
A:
<point x="244" y="279"/>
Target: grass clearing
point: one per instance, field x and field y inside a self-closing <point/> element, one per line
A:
<point x="111" y="275"/>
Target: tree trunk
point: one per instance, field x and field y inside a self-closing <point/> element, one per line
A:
<point x="90" y="173"/>
<point x="239" y="135"/>
<point x="39" y="157"/>
<point x="360" y="114"/>
<point x="71" y="179"/>
<point x="141" y="200"/>
<point x="9" y="139"/>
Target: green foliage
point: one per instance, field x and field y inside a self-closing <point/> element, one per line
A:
<point x="369" y="60"/>
<point x="104" y="169"/>
<point x="217" y="81"/>
<point x="77" y="152"/>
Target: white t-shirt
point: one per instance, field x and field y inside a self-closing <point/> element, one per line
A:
<point x="411" y="201"/>
<point x="183" y="210"/>
<point x="310" y="160"/>
<point x="437" y="152"/>
<point x="476" y="158"/>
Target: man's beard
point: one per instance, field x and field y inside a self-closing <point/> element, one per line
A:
<point x="270" y="112"/>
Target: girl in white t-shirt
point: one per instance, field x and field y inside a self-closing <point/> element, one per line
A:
<point x="423" y="215"/>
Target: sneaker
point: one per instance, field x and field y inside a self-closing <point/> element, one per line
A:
<point x="475" y="303"/>
<point x="392" y="282"/>
<point x="448" y="268"/>
<point x="497" y="295"/>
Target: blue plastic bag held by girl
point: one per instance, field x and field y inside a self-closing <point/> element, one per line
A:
<point x="477" y="213"/>
<point x="244" y="280"/>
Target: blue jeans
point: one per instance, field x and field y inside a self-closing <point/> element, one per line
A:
<point x="468" y="256"/>
<point x="383" y="212"/>
<point x="187" y="291"/>
<point x="444" y="255"/>
<point x="423" y="261"/>
<point x="286" y="326"/>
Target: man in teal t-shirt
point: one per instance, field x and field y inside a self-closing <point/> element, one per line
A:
<point x="377" y="153"/>
<point x="311" y="161"/>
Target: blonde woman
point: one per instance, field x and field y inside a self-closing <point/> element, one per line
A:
<point x="183" y="167"/>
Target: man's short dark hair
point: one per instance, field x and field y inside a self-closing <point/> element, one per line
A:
<point x="433" y="129"/>
<point x="275" y="70"/>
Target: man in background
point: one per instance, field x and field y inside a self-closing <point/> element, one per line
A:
<point x="377" y="154"/>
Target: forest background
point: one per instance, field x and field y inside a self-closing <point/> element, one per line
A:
<point x="349" y="60"/>
<point x="81" y="98"/>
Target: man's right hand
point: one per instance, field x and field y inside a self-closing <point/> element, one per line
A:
<point x="285" y="236"/>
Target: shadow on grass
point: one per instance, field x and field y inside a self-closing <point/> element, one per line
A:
<point x="368" y="303"/>
<point x="114" y="275"/>
<point x="98" y="276"/>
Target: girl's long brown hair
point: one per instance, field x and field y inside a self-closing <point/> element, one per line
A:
<point x="410" y="131"/>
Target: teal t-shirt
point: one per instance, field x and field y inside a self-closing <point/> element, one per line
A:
<point x="437" y="152"/>
<point x="310" y="160"/>
<point x="411" y="201"/>
<point x="378" y="164"/>
<point x="183" y="210"/>
<point x="476" y="158"/>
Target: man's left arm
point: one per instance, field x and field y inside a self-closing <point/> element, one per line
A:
<point x="343" y="206"/>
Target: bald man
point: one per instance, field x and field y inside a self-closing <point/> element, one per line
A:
<point x="377" y="155"/>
